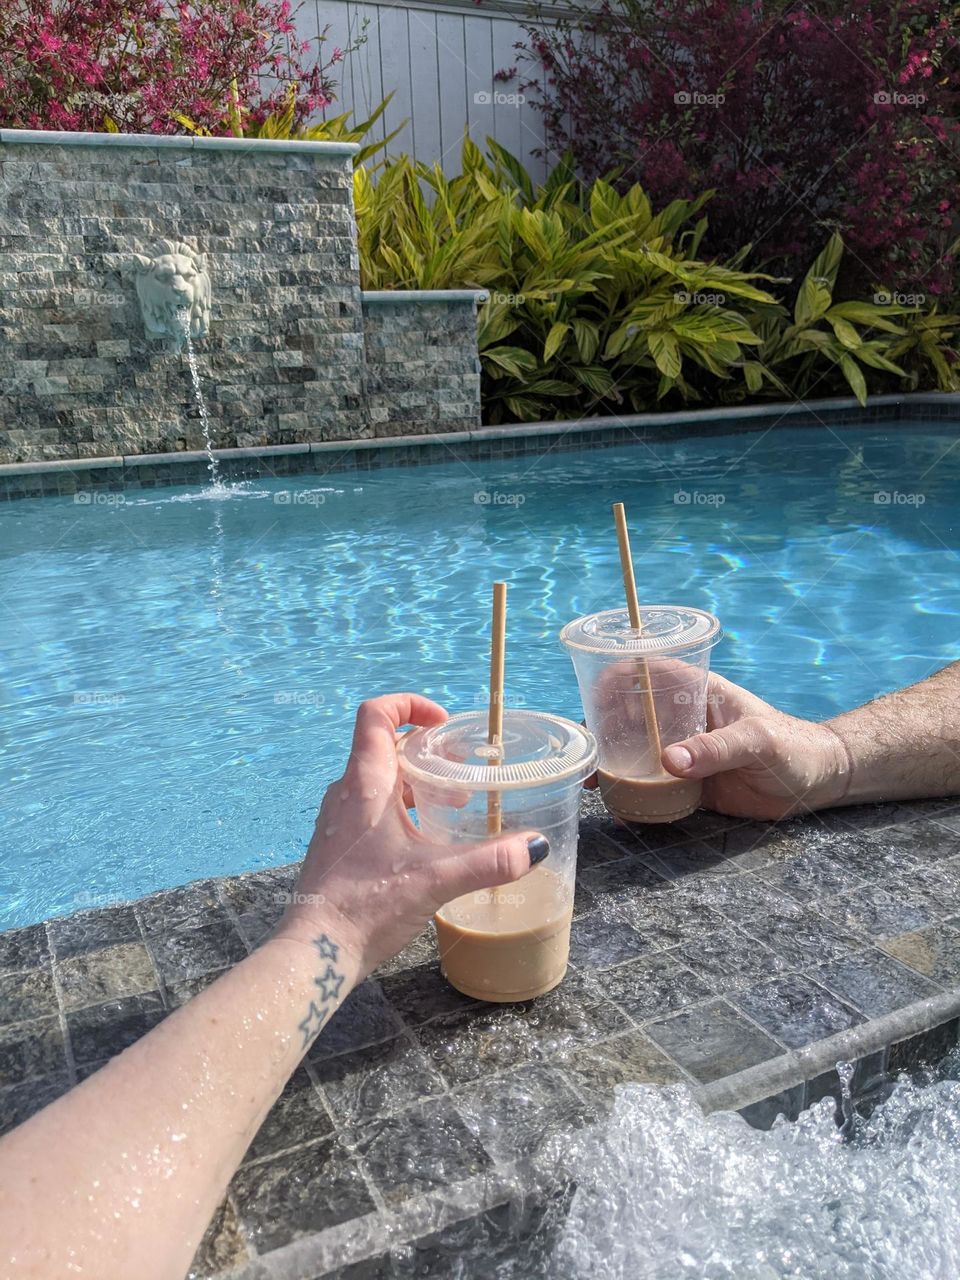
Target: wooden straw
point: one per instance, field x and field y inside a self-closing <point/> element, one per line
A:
<point x="633" y="608"/>
<point x="495" y="714"/>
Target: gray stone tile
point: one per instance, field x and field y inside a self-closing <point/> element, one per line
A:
<point x="223" y="1246"/>
<point x="297" y="1117"/>
<point x="421" y="1148"/>
<point x="102" y="1030"/>
<point x="301" y="1192"/>
<point x="189" y="952"/>
<point x="653" y="985"/>
<point x="259" y="900"/>
<point x="809" y="877"/>
<point x="665" y="918"/>
<point x="364" y="1018"/>
<point x="191" y="906"/>
<point x="597" y="942"/>
<point x="884" y="908"/>
<point x="91" y="977"/>
<point x="927" y="1049"/>
<point x="516" y="1113"/>
<point x="27" y="995"/>
<point x="18" y="1102"/>
<point x="729" y="959"/>
<point x="485" y="1038"/>
<point x="421" y="951"/>
<point x="179" y="990"/>
<point x="598" y="844"/>
<point x="91" y="930"/>
<point x="513" y="1241"/>
<point x="691" y="858"/>
<point x="744" y="897"/>
<point x="22" y="949"/>
<point x="422" y="993"/>
<point x="873" y="982"/>
<point x="926" y="838"/>
<point x="796" y="1010"/>
<point x="804" y="939"/>
<point x="712" y="1041"/>
<point x="621" y="882"/>
<point x="630" y="1058"/>
<point x="31" y="1049"/>
<point x="377" y="1080"/>
<point x="934" y="952"/>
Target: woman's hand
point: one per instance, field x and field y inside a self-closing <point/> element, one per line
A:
<point x="370" y="879"/>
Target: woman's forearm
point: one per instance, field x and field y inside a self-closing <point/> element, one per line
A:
<point x="153" y="1138"/>
<point x="905" y="745"/>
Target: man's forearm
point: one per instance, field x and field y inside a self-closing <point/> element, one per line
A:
<point x="154" y="1137"/>
<point x="905" y="745"/>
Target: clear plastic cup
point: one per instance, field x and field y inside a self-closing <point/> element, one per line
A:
<point x="508" y="943"/>
<point x="618" y="671"/>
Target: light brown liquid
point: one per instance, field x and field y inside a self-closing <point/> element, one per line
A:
<point x="509" y="943"/>
<point x="649" y="799"/>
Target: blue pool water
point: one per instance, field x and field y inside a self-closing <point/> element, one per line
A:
<point x="179" y="674"/>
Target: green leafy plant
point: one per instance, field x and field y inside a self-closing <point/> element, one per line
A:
<point x="599" y="305"/>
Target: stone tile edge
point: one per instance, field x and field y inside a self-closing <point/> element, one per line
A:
<point x="480" y="435"/>
<point x="63" y="138"/>
<point x="413" y="296"/>
<point x="798" y="1066"/>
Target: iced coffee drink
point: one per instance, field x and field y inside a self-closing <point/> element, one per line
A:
<point x="509" y="942"/>
<point x="630" y="678"/>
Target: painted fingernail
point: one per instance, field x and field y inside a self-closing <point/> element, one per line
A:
<point x="538" y="848"/>
<point x="679" y="757"/>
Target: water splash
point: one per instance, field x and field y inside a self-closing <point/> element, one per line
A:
<point x="217" y="487"/>
<point x="664" y="1193"/>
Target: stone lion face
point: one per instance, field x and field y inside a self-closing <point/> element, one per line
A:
<point x="174" y="292"/>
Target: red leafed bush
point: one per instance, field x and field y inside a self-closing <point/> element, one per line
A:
<point x="136" y="66"/>
<point x="803" y="118"/>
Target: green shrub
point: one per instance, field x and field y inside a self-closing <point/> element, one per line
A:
<point x="598" y="305"/>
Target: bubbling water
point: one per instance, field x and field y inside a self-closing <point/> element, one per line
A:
<point x="664" y="1192"/>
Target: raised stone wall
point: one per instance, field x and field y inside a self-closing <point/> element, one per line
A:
<point x="284" y="361"/>
<point x="423" y="371"/>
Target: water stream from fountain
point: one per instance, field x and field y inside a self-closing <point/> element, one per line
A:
<point x="216" y="483"/>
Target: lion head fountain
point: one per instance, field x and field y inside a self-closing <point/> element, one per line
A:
<point x="174" y="292"/>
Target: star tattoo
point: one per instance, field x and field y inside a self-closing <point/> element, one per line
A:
<point x="312" y="1023"/>
<point x="328" y="950"/>
<point x="330" y="983"/>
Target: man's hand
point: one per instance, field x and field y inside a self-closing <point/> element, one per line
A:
<point x="757" y="762"/>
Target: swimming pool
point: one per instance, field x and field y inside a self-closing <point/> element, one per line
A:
<point x="179" y="674"/>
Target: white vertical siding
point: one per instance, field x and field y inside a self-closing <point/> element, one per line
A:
<point x="440" y="63"/>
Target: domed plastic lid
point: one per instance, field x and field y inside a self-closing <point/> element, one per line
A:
<point x="666" y="628"/>
<point x="537" y="748"/>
